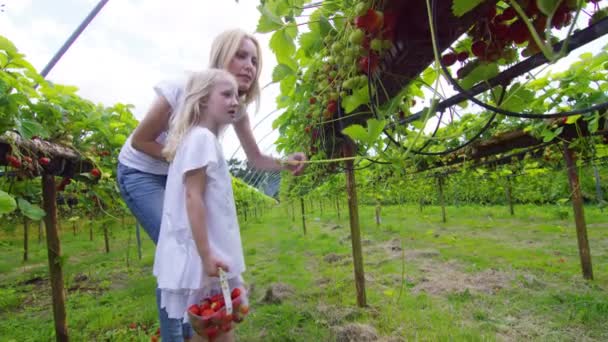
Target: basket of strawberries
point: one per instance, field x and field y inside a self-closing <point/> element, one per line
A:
<point x="219" y="313"/>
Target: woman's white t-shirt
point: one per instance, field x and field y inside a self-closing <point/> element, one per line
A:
<point x="173" y="92"/>
<point x="177" y="264"/>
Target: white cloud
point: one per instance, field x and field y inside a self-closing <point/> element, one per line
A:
<point x="133" y="44"/>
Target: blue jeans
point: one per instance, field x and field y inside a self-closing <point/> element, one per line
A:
<point x="144" y="193"/>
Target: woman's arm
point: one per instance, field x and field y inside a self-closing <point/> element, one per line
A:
<point x="154" y="123"/>
<point x="195" y="181"/>
<point x="261" y="161"/>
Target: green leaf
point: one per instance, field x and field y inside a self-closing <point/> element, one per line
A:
<point x="7" y="46"/>
<point x="429" y="75"/>
<point x="374" y="129"/>
<point x="481" y="73"/>
<point x="30" y="210"/>
<point x="548" y="7"/>
<point x="28" y="128"/>
<point x="461" y="7"/>
<point x="318" y="23"/>
<point x="281" y="43"/>
<point x="119" y="139"/>
<point x="358" y="98"/>
<point x="288" y="84"/>
<point x="7" y="202"/>
<point x="310" y="42"/>
<point x="356" y="132"/>
<point x="281" y="71"/>
<point x="268" y="21"/>
<point x="572" y="119"/>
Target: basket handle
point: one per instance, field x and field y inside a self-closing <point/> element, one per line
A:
<point x="225" y="291"/>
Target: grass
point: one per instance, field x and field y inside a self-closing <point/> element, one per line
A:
<point x="482" y="276"/>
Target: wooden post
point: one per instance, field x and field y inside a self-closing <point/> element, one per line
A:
<point x="338" y="206"/>
<point x="355" y="231"/>
<point x="138" y="237"/>
<point x="26" y="225"/>
<point x="378" y="209"/>
<point x="441" y="199"/>
<point x="91" y="226"/>
<point x="303" y="214"/>
<point x="509" y="189"/>
<point x="579" y="214"/>
<point x="54" y="255"/>
<point x="106" y="237"/>
<point x="321" y="208"/>
<point x="74" y="227"/>
<point x="40" y="224"/>
<point x="598" y="186"/>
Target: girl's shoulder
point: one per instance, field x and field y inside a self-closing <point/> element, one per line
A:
<point x="200" y="134"/>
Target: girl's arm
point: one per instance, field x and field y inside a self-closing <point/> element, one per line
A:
<point x="154" y="123"/>
<point x="195" y="181"/>
<point x="261" y="161"/>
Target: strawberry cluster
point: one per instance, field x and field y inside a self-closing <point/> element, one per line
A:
<point x="501" y="31"/>
<point x="375" y="32"/>
<point x="210" y="319"/>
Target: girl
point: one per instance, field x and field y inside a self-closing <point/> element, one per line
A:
<point x="199" y="230"/>
<point x="142" y="170"/>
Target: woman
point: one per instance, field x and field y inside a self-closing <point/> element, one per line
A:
<point x="142" y="170"/>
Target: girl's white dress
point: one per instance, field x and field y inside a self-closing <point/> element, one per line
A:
<point x="177" y="264"/>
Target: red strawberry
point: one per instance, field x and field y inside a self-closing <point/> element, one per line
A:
<point x="194" y="309"/>
<point x="244" y="309"/>
<point x="371" y="22"/>
<point x="207" y="313"/>
<point x="236" y="291"/>
<point x="14" y="161"/>
<point x="368" y="64"/>
<point x="211" y="332"/>
<point x="509" y="14"/>
<point x="44" y="161"/>
<point x="133" y="326"/>
<point x="205" y="304"/>
<point x="462" y="56"/>
<point x="96" y="173"/>
<point x="312" y="100"/>
<point x="479" y="48"/>
<point x="449" y="59"/>
<point x="332" y="106"/>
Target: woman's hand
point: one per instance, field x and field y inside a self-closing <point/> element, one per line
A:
<point x="296" y="162"/>
<point x="211" y="266"/>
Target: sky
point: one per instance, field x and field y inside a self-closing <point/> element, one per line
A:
<point x="133" y="44"/>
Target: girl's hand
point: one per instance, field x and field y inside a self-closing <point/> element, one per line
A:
<point x="296" y="163"/>
<point x="212" y="265"/>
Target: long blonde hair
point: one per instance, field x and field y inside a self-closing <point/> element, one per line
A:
<point x="196" y="96"/>
<point x="223" y="49"/>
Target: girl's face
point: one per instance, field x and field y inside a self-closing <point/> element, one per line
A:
<point x="223" y="103"/>
<point x="244" y="65"/>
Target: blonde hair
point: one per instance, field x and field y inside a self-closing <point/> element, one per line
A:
<point x="196" y="95"/>
<point x="223" y="49"/>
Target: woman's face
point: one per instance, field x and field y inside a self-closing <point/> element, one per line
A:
<point x="244" y="65"/>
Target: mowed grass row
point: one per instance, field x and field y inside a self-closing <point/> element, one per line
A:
<point x="483" y="275"/>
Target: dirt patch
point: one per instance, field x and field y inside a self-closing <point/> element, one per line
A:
<point x="322" y="282"/>
<point x="335" y="315"/>
<point x="440" y="278"/>
<point x="355" y="332"/>
<point x="277" y="293"/>
<point x="333" y="257"/>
